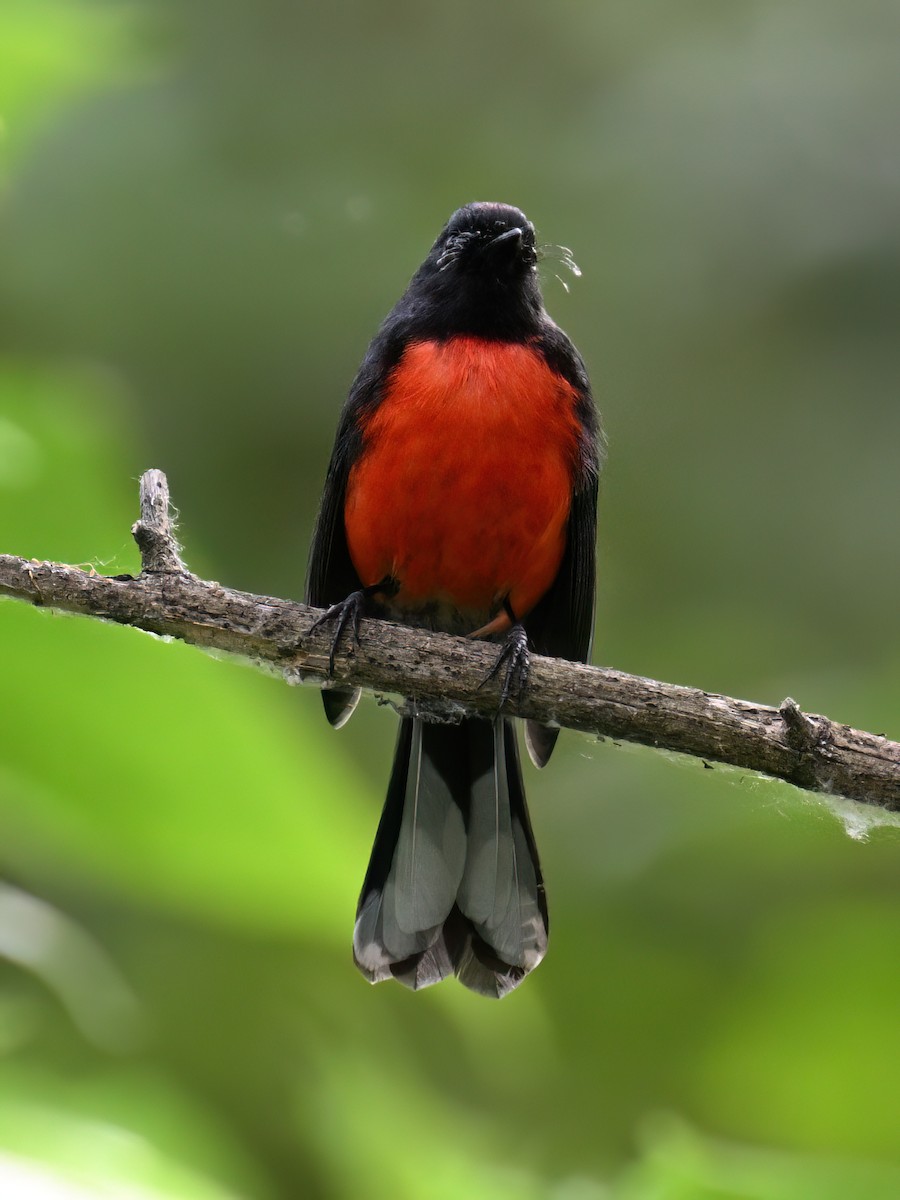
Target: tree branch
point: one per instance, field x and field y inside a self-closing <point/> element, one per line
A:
<point x="154" y="532"/>
<point x="445" y="674"/>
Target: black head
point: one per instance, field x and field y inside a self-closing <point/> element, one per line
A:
<point x="480" y="276"/>
<point x="494" y="241"/>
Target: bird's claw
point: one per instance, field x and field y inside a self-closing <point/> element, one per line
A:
<point x="514" y="663"/>
<point x="347" y="612"/>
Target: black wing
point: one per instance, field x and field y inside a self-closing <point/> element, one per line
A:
<point x="562" y="624"/>
<point x="331" y="576"/>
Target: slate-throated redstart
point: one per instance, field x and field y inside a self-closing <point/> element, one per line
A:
<point x="461" y="496"/>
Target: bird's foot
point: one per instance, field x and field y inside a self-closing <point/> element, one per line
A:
<point x="349" y="613"/>
<point x="513" y="665"/>
<point x="345" y="612"/>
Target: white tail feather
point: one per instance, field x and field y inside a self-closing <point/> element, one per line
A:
<point x="421" y="886"/>
<point x="499" y="889"/>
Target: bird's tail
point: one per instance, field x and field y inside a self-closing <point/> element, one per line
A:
<point x="454" y="883"/>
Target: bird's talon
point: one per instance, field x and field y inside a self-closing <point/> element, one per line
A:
<point x="513" y="661"/>
<point x="344" y="612"/>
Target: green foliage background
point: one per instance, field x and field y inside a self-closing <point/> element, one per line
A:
<point x="206" y="209"/>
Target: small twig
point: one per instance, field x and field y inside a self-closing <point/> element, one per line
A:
<point x="160" y="552"/>
<point x="810" y="752"/>
<point x="804" y="735"/>
<point x="800" y="730"/>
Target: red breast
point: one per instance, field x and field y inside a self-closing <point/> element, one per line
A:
<point x="463" y="486"/>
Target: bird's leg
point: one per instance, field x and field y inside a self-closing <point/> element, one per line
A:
<point x="513" y="660"/>
<point x="349" y="613"/>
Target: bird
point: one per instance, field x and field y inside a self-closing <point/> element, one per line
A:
<point x="461" y="496"/>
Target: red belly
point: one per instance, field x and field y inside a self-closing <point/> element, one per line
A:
<point x="463" y="487"/>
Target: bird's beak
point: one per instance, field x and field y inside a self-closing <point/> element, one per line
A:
<point x="508" y="241"/>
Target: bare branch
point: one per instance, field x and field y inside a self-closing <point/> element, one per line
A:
<point x="160" y="553"/>
<point x="446" y="673"/>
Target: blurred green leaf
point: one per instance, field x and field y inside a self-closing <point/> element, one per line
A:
<point x="155" y="784"/>
<point x="73" y="1141"/>
<point x="52" y="51"/>
<point x="680" y="1164"/>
